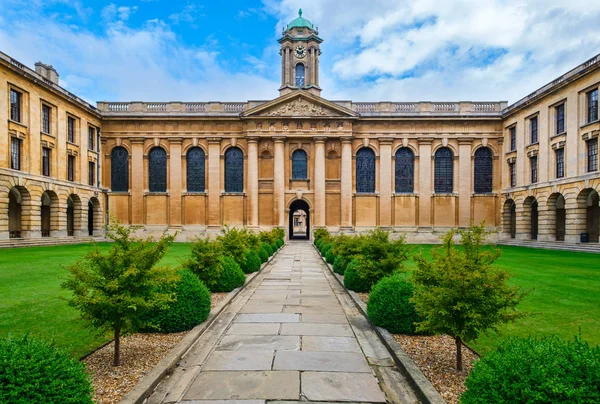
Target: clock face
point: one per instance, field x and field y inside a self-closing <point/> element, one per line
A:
<point x="300" y="51"/>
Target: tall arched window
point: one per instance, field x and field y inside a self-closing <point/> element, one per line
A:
<point x="299" y="75"/>
<point x="365" y="170"/>
<point x="234" y="170"/>
<point x="483" y="171"/>
<point x="444" y="171"/>
<point x="299" y="166"/>
<point x="195" y="170"/>
<point x="157" y="170"/>
<point x="405" y="170"/>
<point x="119" y="170"/>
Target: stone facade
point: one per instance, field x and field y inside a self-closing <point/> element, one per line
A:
<point x="344" y="143"/>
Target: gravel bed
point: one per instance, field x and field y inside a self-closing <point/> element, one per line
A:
<point x="216" y="298"/>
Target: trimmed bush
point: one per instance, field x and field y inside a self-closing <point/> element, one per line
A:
<point x="321" y="234"/>
<point x="326" y="248"/>
<point x="253" y="262"/>
<point x="280" y="243"/>
<point x="274" y="246"/>
<point x="263" y="254"/>
<point x="206" y="261"/>
<point x="318" y="244"/>
<point x="338" y="265"/>
<point x="190" y="307"/>
<point x="531" y="370"/>
<point x="353" y="281"/>
<point x="267" y="248"/>
<point x="235" y="243"/>
<point x="33" y="371"/>
<point x="232" y="276"/>
<point x="389" y="305"/>
<point x="330" y="257"/>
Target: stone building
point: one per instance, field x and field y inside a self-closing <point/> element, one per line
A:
<point x="412" y="167"/>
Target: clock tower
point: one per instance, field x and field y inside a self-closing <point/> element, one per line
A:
<point x="300" y="50"/>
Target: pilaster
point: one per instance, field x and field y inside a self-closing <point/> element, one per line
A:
<point x="175" y="182"/>
<point x="346" y="183"/>
<point x="465" y="179"/>
<point x="137" y="185"/>
<point x="385" y="181"/>
<point x="319" y="181"/>
<point x="279" y="182"/>
<point x="214" y="182"/>
<point x="253" y="181"/>
<point x="425" y="188"/>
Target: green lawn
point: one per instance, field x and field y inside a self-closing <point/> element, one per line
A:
<point x="565" y="294"/>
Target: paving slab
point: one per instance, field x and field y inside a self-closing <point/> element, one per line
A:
<point x="324" y="318"/>
<point x="321" y="361"/>
<point x="260" y="342"/>
<point x="267" y="318"/>
<point x="330" y="344"/>
<point x="239" y="360"/>
<point x="312" y="309"/>
<point x="332" y="386"/>
<point x="262" y="308"/>
<point x="254" y="329"/>
<point x="332" y="330"/>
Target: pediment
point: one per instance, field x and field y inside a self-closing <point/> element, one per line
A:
<point x="300" y="105"/>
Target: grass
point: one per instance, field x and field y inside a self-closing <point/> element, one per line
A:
<point x="563" y="296"/>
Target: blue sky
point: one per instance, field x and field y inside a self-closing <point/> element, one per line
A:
<point x="158" y="50"/>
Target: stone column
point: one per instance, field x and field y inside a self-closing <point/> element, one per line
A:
<point x="523" y="226"/>
<point x="175" y="182"/>
<point x="253" y="181"/>
<point x="346" y="183"/>
<point x="385" y="182"/>
<point x="279" y="182"/>
<point x="319" y="181"/>
<point x="576" y="219"/>
<point x="137" y="181"/>
<point x="425" y="185"/>
<point x="465" y="179"/>
<point x="214" y="182"/>
<point x="4" y="201"/>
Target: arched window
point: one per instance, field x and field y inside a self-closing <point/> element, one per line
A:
<point x="405" y="170"/>
<point x="365" y="170"/>
<point x="195" y="170"/>
<point x="483" y="171"/>
<point x="299" y="166"/>
<point x="444" y="171"/>
<point x="157" y="170"/>
<point x="119" y="170"/>
<point x="299" y="75"/>
<point x="234" y="170"/>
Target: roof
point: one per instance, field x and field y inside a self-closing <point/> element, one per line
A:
<point x="300" y="22"/>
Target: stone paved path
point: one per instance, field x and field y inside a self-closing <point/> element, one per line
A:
<point x="293" y="334"/>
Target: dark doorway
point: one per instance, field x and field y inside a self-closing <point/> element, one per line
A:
<point x="45" y="215"/>
<point x="561" y="218"/>
<point x="593" y="216"/>
<point x="70" y="217"/>
<point x="90" y="218"/>
<point x="299" y="221"/>
<point x="534" y="220"/>
<point x="513" y="220"/>
<point x="14" y="213"/>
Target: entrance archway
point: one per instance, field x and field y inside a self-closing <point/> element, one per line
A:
<point x="534" y="220"/>
<point x="557" y="216"/>
<point x="14" y="213"/>
<point x="94" y="215"/>
<point x="299" y="220"/>
<point x="509" y="218"/>
<point x="90" y="218"/>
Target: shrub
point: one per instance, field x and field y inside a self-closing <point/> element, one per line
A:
<point x="318" y="244"/>
<point x="380" y="256"/>
<point x="235" y="243"/>
<point x="190" y="307"/>
<point x="338" y="267"/>
<point x="206" y="261"/>
<point x="33" y="371"/>
<point x="353" y="281"/>
<point x="330" y="257"/>
<point x="321" y="234"/>
<point x="263" y="254"/>
<point x="280" y="243"/>
<point x="232" y="276"/>
<point x="274" y="246"/>
<point x="389" y="306"/>
<point x="347" y="248"/>
<point x="326" y="248"/>
<point x="529" y="370"/>
<point x="253" y="262"/>
<point x="267" y="248"/>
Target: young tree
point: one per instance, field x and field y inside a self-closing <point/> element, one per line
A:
<point x="114" y="289"/>
<point x="460" y="293"/>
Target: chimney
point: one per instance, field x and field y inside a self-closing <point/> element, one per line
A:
<point x="47" y="71"/>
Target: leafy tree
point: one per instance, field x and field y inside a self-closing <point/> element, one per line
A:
<point x="460" y="293"/>
<point x="380" y="257"/>
<point x="206" y="261"/>
<point x="113" y="290"/>
<point x="234" y="243"/>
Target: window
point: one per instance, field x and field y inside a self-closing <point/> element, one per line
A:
<point x="513" y="138"/>
<point x="119" y="169"/>
<point x="299" y="75"/>
<point x="483" y="163"/>
<point x="15" y="105"/>
<point x="512" y="169"/>
<point x="91" y="137"/>
<point x="91" y="173"/>
<point x="365" y="171"/>
<point x="299" y="165"/>
<point x="533" y="162"/>
<point x="560" y="118"/>
<point x="234" y="170"/>
<point x="45" y="118"/>
<point x="560" y="163"/>
<point x="15" y="153"/>
<point x="592" y="152"/>
<point x="71" y="168"/>
<point x="444" y="171"/>
<point x="46" y="161"/>
<point x="70" y="129"/>
<point x="533" y="127"/>
<point x="195" y="170"/>
<point x="592" y="105"/>
<point x="157" y="170"/>
<point x="405" y="170"/>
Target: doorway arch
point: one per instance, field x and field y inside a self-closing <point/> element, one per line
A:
<point x="299" y="220"/>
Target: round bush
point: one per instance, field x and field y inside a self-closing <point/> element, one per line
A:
<point x="267" y="248"/>
<point x="318" y="244"/>
<point x="330" y="257"/>
<point x="253" y="262"/>
<point x="191" y="307"/>
<point x="280" y="243"/>
<point x="354" y="282"/>
<point x="232" y="276"/>
<point x="338" y="265"/>
<point x="33" y="371"/>
<point x="274" y="246"/>
<point x="263" y="254"/>
<point x="326" y="248"/>
<point x="389" y="306"/>
<point x="530" y="370"/>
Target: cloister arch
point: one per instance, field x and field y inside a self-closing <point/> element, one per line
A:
<point x="49" y="213"/>
<point x="19" y="202"/>
<point x="94" y="216"/>
<point x="588" y="210"/>
<point x="73" y="215"/>
<point x="530" y="217"/>
<point x="556" y="216"/>
<point x="509" y="218"/>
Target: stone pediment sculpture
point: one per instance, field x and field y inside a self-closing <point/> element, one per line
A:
<point x="298" y="104"/>
<point x="299" y="107"/>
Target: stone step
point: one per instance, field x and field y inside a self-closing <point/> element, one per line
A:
<point x="552" y="245"/>
<point x="39" y="242"/>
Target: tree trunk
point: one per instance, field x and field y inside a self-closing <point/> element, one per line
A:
<point x="458" y="353"/>
<point x="116" y="359"/>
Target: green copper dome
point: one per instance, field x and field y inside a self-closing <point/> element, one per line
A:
<point x="300" y="22"/>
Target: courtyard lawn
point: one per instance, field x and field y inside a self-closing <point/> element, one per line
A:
<point x="564" y="297"/>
